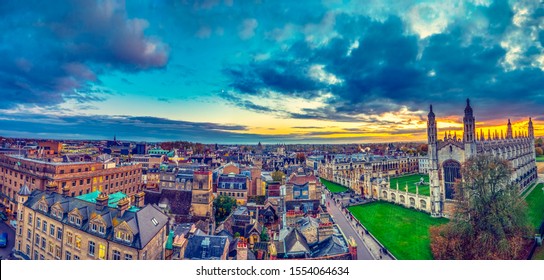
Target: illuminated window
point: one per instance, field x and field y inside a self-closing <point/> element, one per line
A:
<point x="69" y="238"/>
<point x="78" y="242"/>
<point x="101" y="251"/>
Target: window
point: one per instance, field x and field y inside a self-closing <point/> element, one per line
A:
<point x="42" y="257"/>
<point x="116" y="255"/>
<point x="58" y="253"/>
<point x="38" y="222"/>
<point x="102" y="229"/>
<point x="101" y="251"/>
<point x="20" y="216"/>
<point x="154" y="221"/>
<point x="128" y="257"/>
<point x="68" y="255"/>
<point x="144" y="255"/>
<point x="59" y="233"/>
<point x="50" y="251"/>
<point x="72" y="219"/>
<point x="78" y="242"/>
<point x="44" y="227"/>
<point x="37" y="241"/>
<point x="93" y="227"/>
<point x="52" y="230"/>
<point x="120" y="235"/>
<point x="76" y="257"/>
<point x="35" y="255"/>
<point x="43" y="243"/>
<point x="91" y="248"/>
<point x="27" y="250"/>
<point x="78" y="221"/>
<point x="28" y="234"/>
<point x="69" y="238"/>
<point x="29" y="219"/>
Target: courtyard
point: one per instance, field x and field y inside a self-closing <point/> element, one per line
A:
<point x="411" y="180"/>
<point x="404" y="232"/>
<point x="333" y="187"/>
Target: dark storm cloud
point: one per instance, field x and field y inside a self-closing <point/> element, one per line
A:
<point x="127" y="127"/>
<point x="391" y="68"/>
<point x="49" y="50"/>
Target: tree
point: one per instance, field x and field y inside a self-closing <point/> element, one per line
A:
<point x="264" y="234"/>
<point x="277" y="175"/>
<point x="490" y="219"/>
<point x="301" y="157"/>
<point x="223" y="206"/>
<point x="539" y="151"/>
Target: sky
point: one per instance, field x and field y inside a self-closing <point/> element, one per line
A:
<point x="228" y="71"/>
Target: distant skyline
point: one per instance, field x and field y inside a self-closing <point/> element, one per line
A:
<point x="230" y="71"/>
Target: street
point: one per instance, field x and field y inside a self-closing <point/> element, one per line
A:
<point x="343" y="223"/>
<point x="4" y="252"/>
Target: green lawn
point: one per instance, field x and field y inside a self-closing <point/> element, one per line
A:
<point x="404" y="232"/>
<point x="539" y="253"/>
<point x="333" y="187"/>
<point x="540" y="158"/>
<point x="535" y="203"/>
<point x="411" y="180"/>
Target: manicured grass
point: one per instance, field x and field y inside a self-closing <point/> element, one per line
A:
<point x="404" y="232"/>
<point x="333" y="187"/>
<point x="535" y="203"/>
<point x="540" y="158"/>
<point x="411" y="180"/>
<point x="539" y="253"/>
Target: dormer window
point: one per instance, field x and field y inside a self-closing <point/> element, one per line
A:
<point x="78" y="221"/>
<point x="72" y="219"/>
<point x="93" y="227"/>
<point x="154" y="221"/>
<point x="102" y="229"/>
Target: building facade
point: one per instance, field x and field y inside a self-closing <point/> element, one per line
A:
<point x="53" y="226"/>
<point x="448" y="154"/>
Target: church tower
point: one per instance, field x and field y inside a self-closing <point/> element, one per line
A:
<point x="531" y="129"/>
<point x="469" y="132"/>
<point x="432" y="135"/>
<point x="202" y="196"/>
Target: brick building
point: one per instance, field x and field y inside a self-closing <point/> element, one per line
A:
<point x="71" y="178"/>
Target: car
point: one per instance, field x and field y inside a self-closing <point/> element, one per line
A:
<point x="3" y="216"/>
<point x="3" y="239"/>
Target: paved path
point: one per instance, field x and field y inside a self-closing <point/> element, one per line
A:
<point x="343" y="223"/>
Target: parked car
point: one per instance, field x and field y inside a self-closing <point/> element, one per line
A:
<point x="3" y="239"/>
<point x="3" y="216"/>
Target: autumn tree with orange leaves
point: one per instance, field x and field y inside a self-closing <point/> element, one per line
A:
<point x="490" y="219"/>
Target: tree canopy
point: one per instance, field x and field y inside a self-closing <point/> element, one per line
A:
<point x="490" y="219"/>
<point x="223" y="206"/>
<point x="277" y="176"/>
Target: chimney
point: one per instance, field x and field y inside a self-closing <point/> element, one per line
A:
<point x="101" y="201"/>
<point x="66" y="190"/>
<point x="51" y="187"/>
<point x="241" y="250"/>
<point x="122" y="206"/>
<point x="139" y="200"/>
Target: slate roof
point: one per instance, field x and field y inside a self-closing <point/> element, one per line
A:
<point x="331" y="246"/>
<point x="178" y="200"/>
<point x="205" y="247"/>
<point x="296" y="243"/>
<point x="144" y="223"/>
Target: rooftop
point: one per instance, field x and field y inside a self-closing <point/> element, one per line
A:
<point x="113" y="199"/>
